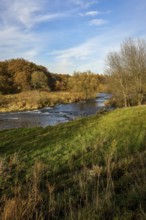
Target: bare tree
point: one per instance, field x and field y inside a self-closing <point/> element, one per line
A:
<point x="134" y="57"/>
<point x="127" y="70"/>
<point x="119" y="79"/>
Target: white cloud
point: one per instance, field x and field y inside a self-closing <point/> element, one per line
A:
<point x="79" y="52"/>
<point x="31" y="54"/>
<point x="94" y="13"/>
<point x="68" y="59"/>
<point x="17" y="36"/>
<point x="90" y="13"/>
<point x="89" y="55"/>
<point x="13" y="36"/>
<point x="83" y="3"/>
<point x="49" y="17"/>
<point x="16" y="43"/>
<point x="26" y="13"/>
<point x="97" y="22"/>
<point x="85" y="56"/>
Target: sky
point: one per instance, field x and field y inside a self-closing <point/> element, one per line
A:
<point x="68" y="35"/>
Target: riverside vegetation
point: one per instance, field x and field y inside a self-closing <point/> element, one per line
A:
<point x="25" y="86"/>
<point x="35" y="99"/>
<point x="91" y="168"/>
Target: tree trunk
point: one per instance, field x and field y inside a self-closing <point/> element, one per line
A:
<point x="139" y="98"/>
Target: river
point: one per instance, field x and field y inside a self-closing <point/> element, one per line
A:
<point x="52" y="116"/>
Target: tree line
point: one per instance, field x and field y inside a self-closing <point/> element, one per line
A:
<point x="20" y="75"/>
<point x="126" y="73"/>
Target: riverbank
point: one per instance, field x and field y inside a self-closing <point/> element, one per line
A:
<point x="60" y="113"/>
<point x="91" y="168"/>
<point x="32" y="100"/>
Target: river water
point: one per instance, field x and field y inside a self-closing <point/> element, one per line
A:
<point x="52" y="116"/>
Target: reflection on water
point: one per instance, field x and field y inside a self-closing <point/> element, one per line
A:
<point x="51" y="116"/>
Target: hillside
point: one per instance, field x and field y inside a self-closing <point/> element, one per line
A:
<point x="91" y="168"/>
<point x="20" y="75"/>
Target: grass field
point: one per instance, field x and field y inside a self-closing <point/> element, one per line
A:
<point x="91" y="168"/>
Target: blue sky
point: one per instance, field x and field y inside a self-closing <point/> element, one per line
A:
<point x="68" y="35"/>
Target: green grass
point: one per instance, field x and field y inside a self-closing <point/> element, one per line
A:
<point x="74" y="152"/>
<point x="123" y="128"/>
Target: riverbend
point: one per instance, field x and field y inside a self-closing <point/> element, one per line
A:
<point x="53" y="115"/>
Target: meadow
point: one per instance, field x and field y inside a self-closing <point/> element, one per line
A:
<point x="90" y="168"/>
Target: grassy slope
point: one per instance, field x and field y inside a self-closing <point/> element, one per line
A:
<point x="116" y="139"/>
<point x="123" y="128"/>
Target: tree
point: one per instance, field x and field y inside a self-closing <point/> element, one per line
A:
<point x="6" y="82"/>
<point x="85" y="83"/>
<point x="20" y="71"/>
<point x="22" y="81"/>
<point x="23" y="74"/>
<point x="127" y="71"/>
<point x="60" y="82"/>
<point x="119" y="79"/>
<point x="134" y="57"/>
<point x="39" y="80"/>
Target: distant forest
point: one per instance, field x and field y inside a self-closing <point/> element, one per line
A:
<point x="19" y="75"/>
